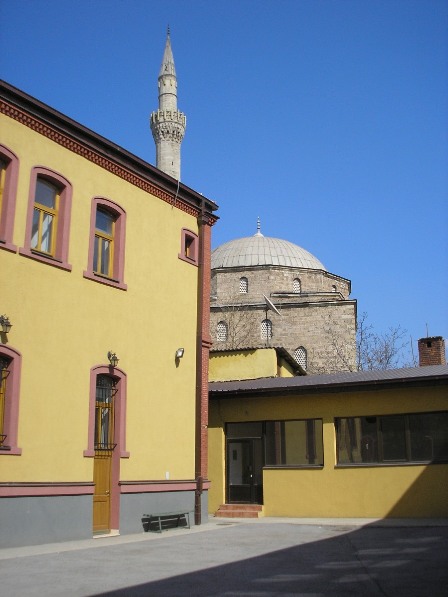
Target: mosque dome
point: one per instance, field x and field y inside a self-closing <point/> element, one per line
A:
<point x="263" y="250"/>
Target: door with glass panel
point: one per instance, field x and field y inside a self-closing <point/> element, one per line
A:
<point x="244" y="463"/>
<point x="104" y="446"/>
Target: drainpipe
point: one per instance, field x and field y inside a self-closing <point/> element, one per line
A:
<point x="203" y="344"/>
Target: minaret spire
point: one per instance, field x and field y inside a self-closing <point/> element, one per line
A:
<point x="168" y="123"/>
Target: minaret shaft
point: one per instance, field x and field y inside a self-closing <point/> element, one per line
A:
<point x="168" y="123"/>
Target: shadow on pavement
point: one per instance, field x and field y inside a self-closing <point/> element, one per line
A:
<point x="367" y="561"/>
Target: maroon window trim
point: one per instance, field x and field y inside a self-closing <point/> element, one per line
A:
<point x="119" y="244"/>
<point x="60" y="258"/>
<point x="9" y="199"/>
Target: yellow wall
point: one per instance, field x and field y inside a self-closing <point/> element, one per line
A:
<point x="244" y="364"/>
<point x="285" y="369"/>
<point x="376" y="491"/>
<point x="64" y="324"/>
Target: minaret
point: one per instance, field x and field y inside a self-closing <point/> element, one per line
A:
<point x="168" y="124"/>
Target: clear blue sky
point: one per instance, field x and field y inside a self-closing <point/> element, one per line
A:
<point x="326" y="118"/>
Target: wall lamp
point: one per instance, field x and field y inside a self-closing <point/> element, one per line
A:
<point x="179" y="353"/>
<point x="113" y="359"/>
<point x="5" y="324"/>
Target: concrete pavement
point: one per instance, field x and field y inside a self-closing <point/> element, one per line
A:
<point x="257" y="558"/>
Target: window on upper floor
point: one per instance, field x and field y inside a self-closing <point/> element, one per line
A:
<point x="45" y="217"/>
<point x="9" y="166"/>
<point x="107" y="243"/>
<point x="189" y="246"/>
<point x="296" y="286"/>
<point x="10" y="366"/>
<point x="221" y="331"/>
<point x="301" y="356"/>
<point x="103" y="251"/>
<point x="389" y="439"/>
<point x="244" y="285"/>
<point x="334" y="288"/>
<point x="266" y="329"/>
<point x="48" y="218"/>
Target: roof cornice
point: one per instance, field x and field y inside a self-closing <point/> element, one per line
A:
<point x="80" y="140"/>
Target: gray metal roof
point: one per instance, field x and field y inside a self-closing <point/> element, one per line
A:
<point x="330" y="382"/>
<point x="263" y="250"/>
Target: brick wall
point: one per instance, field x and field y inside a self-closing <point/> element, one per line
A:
<point x="431" y="351"/>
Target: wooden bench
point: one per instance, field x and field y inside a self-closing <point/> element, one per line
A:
<point x="174" y="516"/>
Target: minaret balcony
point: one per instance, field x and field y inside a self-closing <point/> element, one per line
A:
<point x="169" y="116"/>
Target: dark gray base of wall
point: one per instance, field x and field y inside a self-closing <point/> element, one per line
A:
<point x="47" y="519"/>
<point x="134" y="505"/>
<point x="52" y="519"/>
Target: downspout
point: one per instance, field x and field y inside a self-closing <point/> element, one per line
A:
<point x="203" y="344"/>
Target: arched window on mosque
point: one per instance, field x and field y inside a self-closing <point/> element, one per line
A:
<point x="301" y="356"/>
<point x="221" y="331"/>
<point x="244" y="285"/>
<point x="266" y="329"/>
<point x="296" y="286"/>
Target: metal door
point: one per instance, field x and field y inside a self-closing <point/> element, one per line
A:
<point x="244" y="471"/>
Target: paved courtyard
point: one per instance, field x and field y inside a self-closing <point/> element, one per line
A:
<point x="260" y="558"/>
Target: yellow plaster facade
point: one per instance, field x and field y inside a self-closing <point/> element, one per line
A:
<point x="366" y="491"/>
<point x="63" y="319"/>
<point x="248" y="364"/>
<point x="65" y="323"/>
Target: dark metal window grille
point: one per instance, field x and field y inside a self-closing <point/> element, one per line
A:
<point x="106" y="391"/>
<point x="4" y="372"/>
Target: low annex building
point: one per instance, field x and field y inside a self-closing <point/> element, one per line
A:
<point x="371" y="444"/>
<point x="105" y="265"/>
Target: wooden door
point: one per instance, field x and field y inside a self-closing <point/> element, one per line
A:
<point x="106" y="390"/>
<point x="101" y="497"/>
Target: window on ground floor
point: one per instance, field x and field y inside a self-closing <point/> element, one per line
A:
<point x="389" y="439"/>
<point x="285" y="443"/>
<point x="10" y="366"/>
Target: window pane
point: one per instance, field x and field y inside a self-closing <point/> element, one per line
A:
<point x="35" y="230"/>
<point x="104" y="222"/>
<point x="429" y="436"/>
<point x="105" y="256"/>
<point x="393" y="438"/>
<point x="47" y="232"/>
<point x="294" y="443"/>
<point x="104" y="414"/>
<point x="46" y="194"/>
<point x="357" y="440"/>
<point x="101" y="256"/>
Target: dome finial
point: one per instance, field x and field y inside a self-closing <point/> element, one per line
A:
<point x="258" y="233"/>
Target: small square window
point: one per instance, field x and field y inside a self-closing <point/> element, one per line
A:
<point x="189" y="247"/>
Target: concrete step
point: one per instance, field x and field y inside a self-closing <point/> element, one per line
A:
<point x="238" y="511"/>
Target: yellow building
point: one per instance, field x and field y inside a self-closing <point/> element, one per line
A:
<point x="370" y="444"/>
<point x="252" y="363"/>
<point x="105" y="264"/>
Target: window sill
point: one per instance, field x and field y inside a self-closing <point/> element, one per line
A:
<point x="10" y="451"/>
<point x="103" y="280"/>
<point x="44" y="259"/>
<point x="188" y="259"/>
<point x="272" y="467"/>
<point x="389" y="464"/>
<point x="6" y="246"/>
